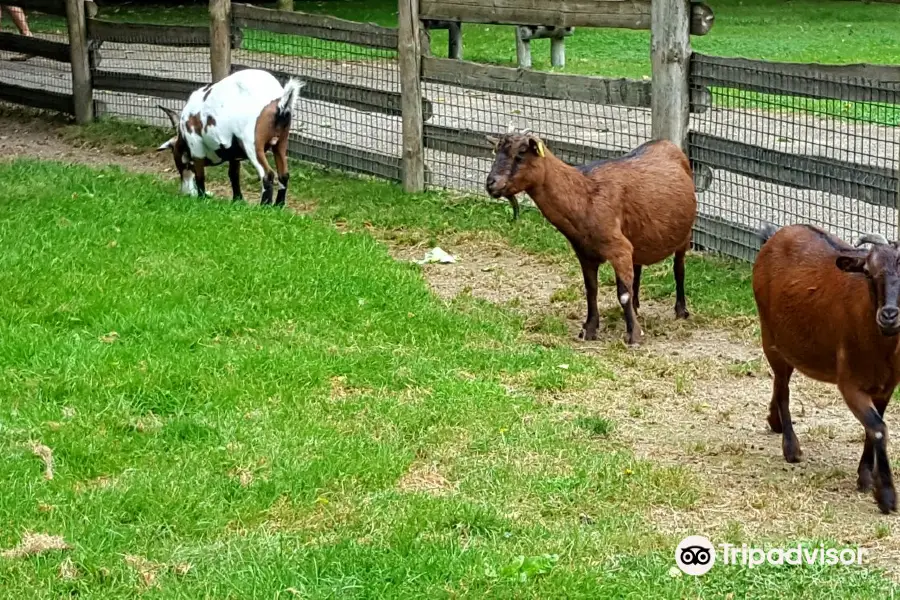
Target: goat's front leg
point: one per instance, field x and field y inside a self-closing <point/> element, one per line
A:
<point x="635" y="300"/>
<point x="234" y="175"/>
<point x="282" y="166"/>
<point x="200" y="176"/>
<point x="867" y="460"/>
<point x="864" y="410"/>
<point x="624" y="269"/>
<point x="589" y="271"/>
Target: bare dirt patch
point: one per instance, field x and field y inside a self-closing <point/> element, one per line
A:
<point x="33" y="544"/>
<point x="425" y="478"/>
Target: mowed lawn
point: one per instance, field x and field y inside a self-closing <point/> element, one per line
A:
<point x="244" y="402"/>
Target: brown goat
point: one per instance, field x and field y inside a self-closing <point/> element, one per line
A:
<point x="829" y="310"/>
<point x="632" y="211"/>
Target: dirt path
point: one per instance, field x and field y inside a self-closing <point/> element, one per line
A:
<point x="692" y="396"/>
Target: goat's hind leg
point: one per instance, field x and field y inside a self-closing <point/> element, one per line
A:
<point x="780" y="408"/>
<point x="624" y="269"/>
<point x="681" y="311"/>
<point x="635" y="300"/>
<point x="266" y="175"/>
<point x="867" y="460"/>
<point x="281" y="165"/>
<point x="863" y="408"/>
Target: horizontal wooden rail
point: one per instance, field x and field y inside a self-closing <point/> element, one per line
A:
<point x="861" y="83"/>
<point x="626" y="14"/>
<point x="37" y="98"/>
<point x="138" y="33"/>
<point x="58" y="51"/>
<point x="49" y="7"/>
<point x="315" y="26"/>
<point x="345" y="157"/>
<point x="725" y="237"/>
<point x="474" y="143"/>
<point x="145" y="85"/>
<point x="518" y="82"/>
<point x="355" y="96"/>
<point x="870" y="184"/>
<point x="469" y="142"/>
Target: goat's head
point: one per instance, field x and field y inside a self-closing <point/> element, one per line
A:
<point x="518" y="164"/>
<point x="180" y="154"/>
<point x="881" y="266"/>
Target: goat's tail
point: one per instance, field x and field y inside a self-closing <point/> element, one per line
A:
<point x="288" y="99"/>
<point x="766" y="231"/>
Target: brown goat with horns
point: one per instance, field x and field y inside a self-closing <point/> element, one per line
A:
<point x="632" y="211"/>
<point x="829" y="310"/>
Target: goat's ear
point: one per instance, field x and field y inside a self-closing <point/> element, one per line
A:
<point x="166" y="145"/>
<point x="492" y="140"/>
<point x="851" y="264"/>
<point x="537" y="146"/>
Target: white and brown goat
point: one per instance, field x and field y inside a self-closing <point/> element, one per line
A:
<point x="240" y="117"/>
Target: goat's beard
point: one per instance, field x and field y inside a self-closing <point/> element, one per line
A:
<point x="188" y="183"/>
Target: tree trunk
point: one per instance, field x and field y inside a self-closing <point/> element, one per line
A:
<point x="285" y="5"/>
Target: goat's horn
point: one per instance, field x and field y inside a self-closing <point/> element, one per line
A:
<point x="872" y="238"/>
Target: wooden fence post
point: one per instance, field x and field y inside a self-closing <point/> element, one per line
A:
<point x="410" y="58"/>
<point x="670" y="54"/>
<point x="82" y="90"/>
<point x="220" y="38"/>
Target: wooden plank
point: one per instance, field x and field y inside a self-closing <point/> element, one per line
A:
<point x="626" y="14"/>
<point x="37" y="98"/>
<point x="346" y="94"/>
<point x="220" y="38"/>
<point x="473" y="143"/>
<point x="145" y="85"/>
<point x="670" y="56"/>
<point x="469" y="142"/>
<point x="159" y="35"/>
<point x="345" y="157"/>
<point x="870" y="184"/>
<point x="858" y="82"/>
<point x="517" y="82"/>
<point x="719" y="236"/>
<point x="315" y="26"/>
<point x="49" y="7"/>
<point x="79" y="56"/>
<point x="409" y="47"/>
<point x="58" y="51"/>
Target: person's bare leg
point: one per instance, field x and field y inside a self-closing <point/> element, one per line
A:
<point x="18" y="17"/>
<point x="21" y="22"/>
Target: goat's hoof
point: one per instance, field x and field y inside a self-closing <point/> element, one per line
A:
<point x="588" y="333"/>
<point x="633" y="340"/>
<point x="792" y="452"/>
<point x="681" y="313"/>
<point x="775" y="423"/>
<point x="864" y="482"/>
<point x="887" y="499"/>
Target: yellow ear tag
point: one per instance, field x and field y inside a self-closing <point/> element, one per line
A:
<point x="540" y="149"/>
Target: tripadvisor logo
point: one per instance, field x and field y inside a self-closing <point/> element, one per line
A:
<point x="696" y="555"/>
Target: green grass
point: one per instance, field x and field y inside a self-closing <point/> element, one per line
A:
<point x="244" y="390"/>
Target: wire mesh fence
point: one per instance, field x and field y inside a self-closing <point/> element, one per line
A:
<point x="348" y="115"/>
<point x="126" y="72"/>
<point x="793" y="147"/>
<point x="582" y="131"/>
<point x="23" y="72"/>
<point x="768" y="141"/>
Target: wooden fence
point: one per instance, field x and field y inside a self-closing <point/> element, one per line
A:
<point x="682" y="101"/>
